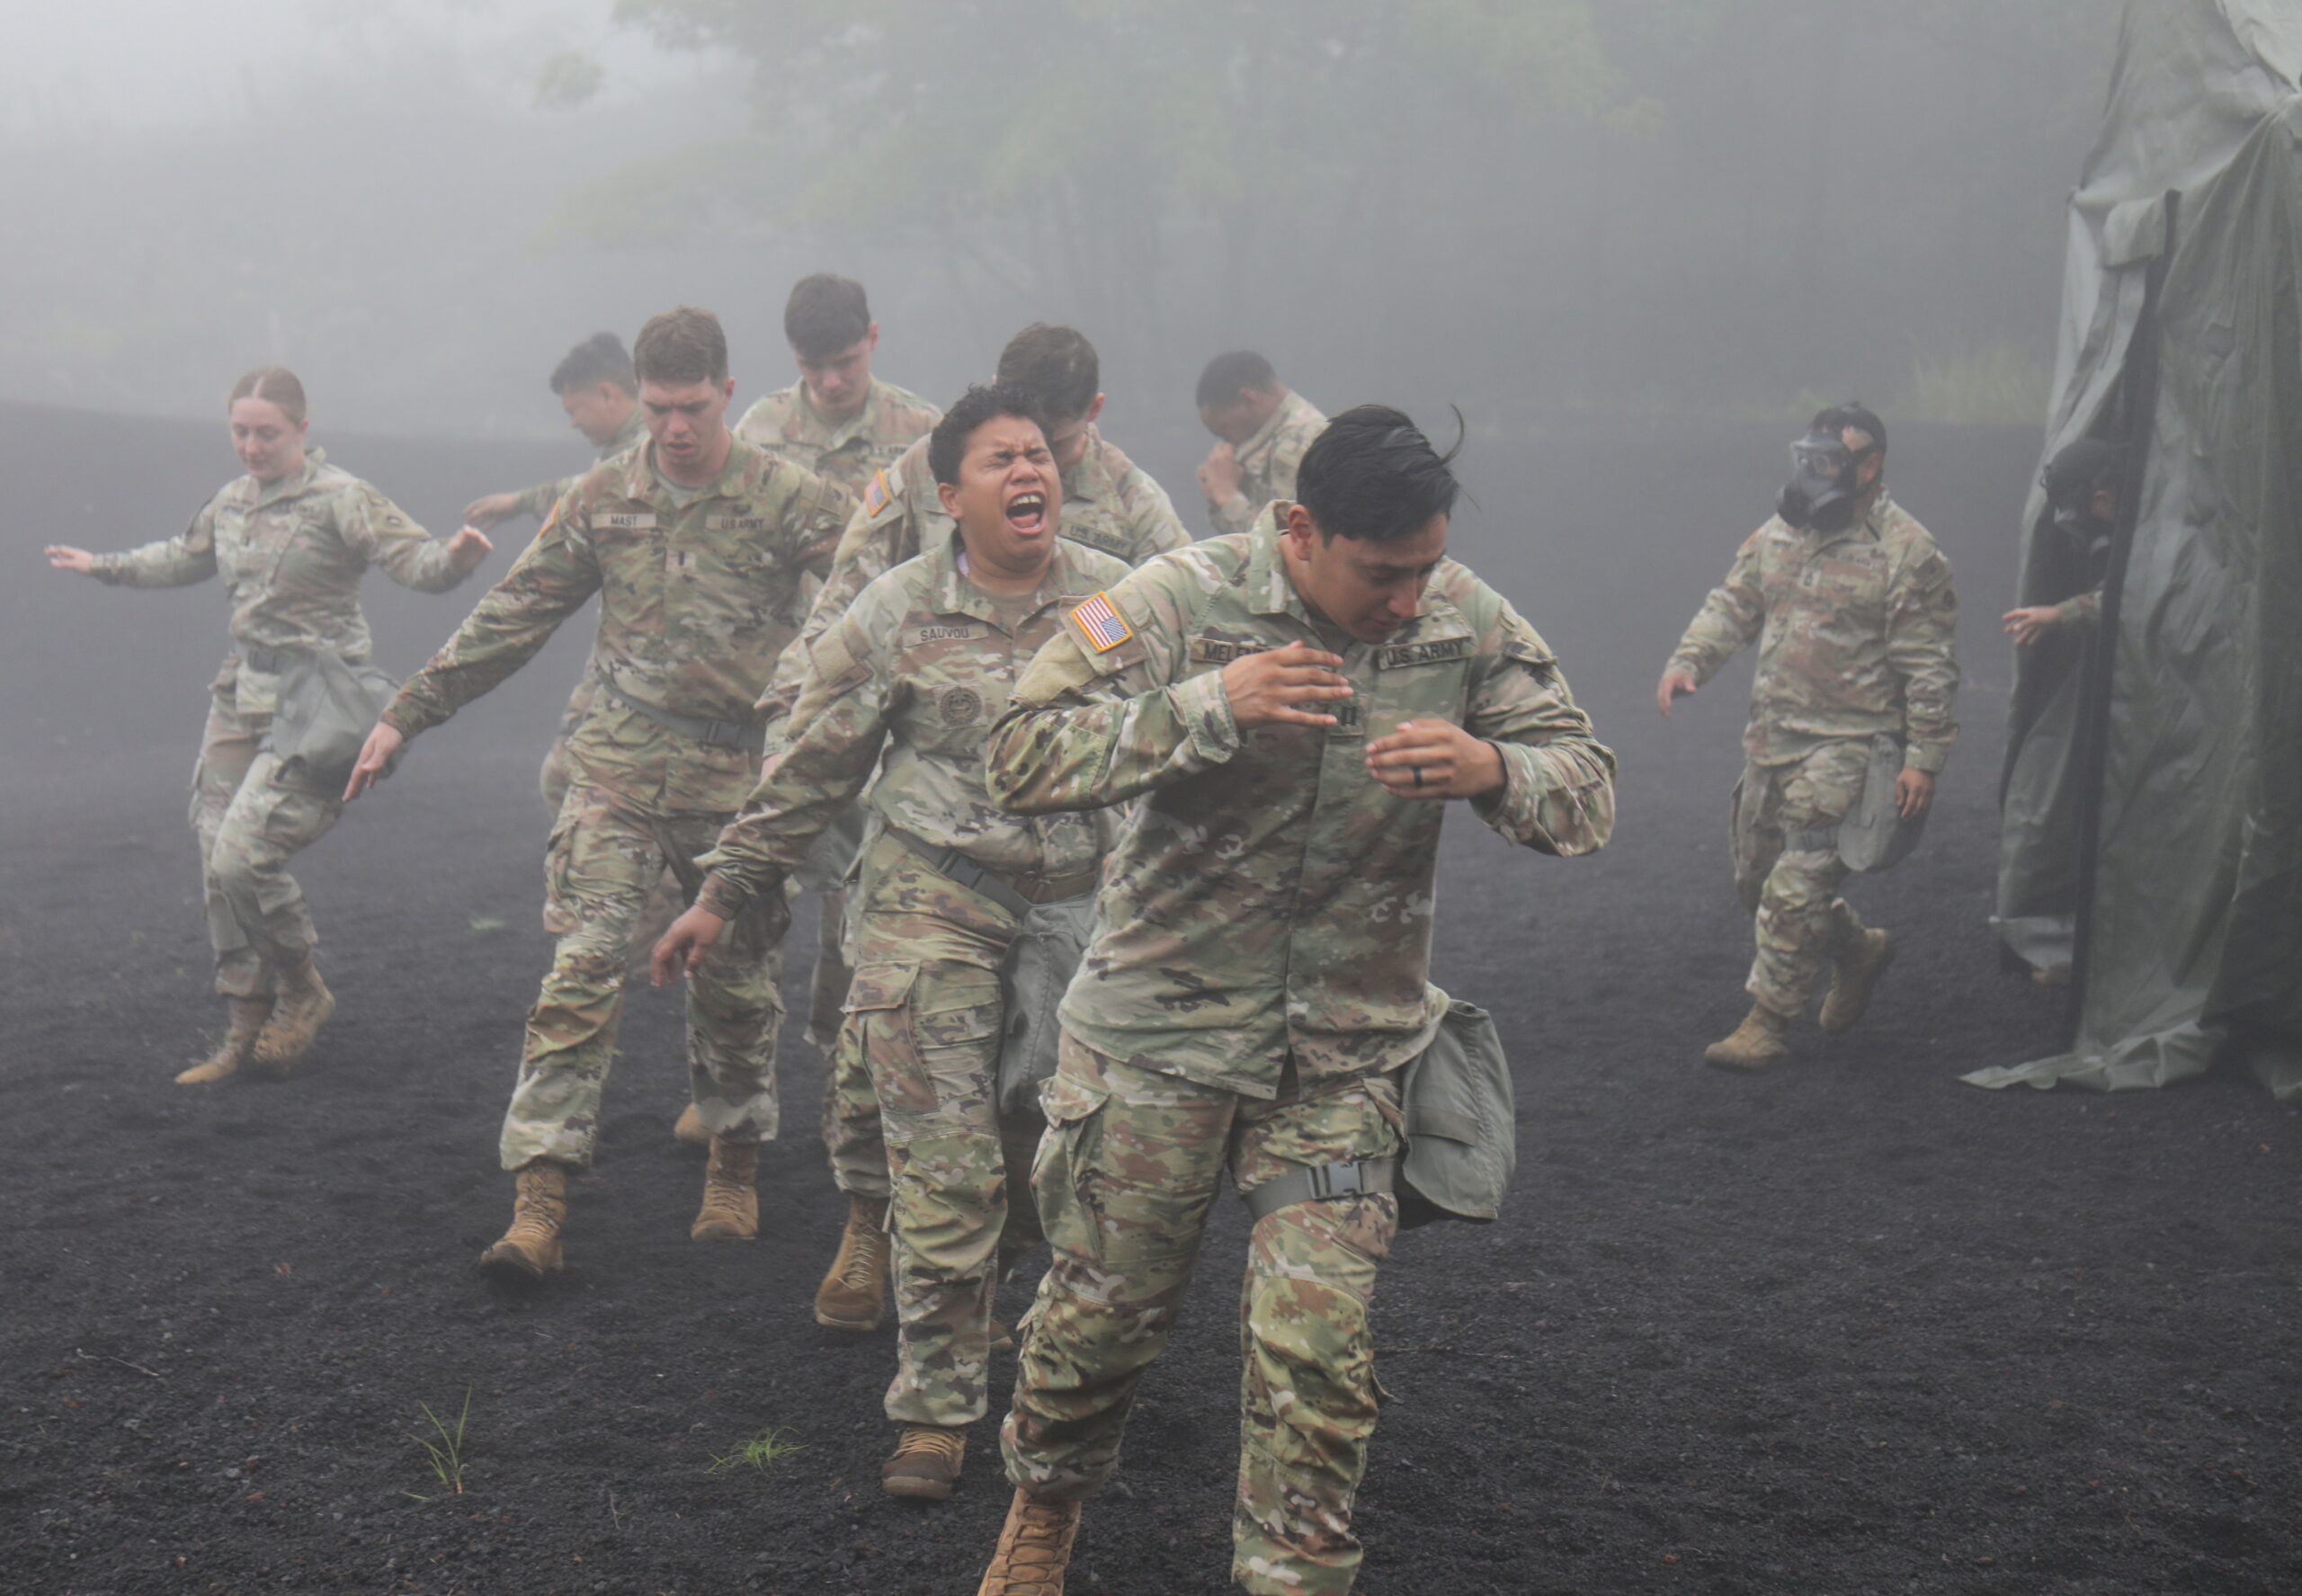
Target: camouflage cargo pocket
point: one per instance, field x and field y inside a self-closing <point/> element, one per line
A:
<point x="1070" y="1106"/>
<point x="1117" y="1187"/>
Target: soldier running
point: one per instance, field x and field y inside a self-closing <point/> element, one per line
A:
<point x="1850" y="604"/>
<point x="696" y="545"/>
<point x="1294" y="706"/>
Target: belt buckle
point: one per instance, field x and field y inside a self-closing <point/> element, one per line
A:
<point x="1338" y="1180"/>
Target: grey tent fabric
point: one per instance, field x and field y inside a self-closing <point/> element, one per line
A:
<point x="2193" y="929"/>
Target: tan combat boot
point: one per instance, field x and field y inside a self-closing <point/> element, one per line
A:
<point x="301" y="1007"/>
<point x="730" y="1211"/>
<point x="248" y="1015"/>
<point x="1854" y="977"/>
<point x="1755" y="1045"/>
<point x="853" y="1294"/>
<point x="1034" y="1548"/>
<point x="689" y="1128"/>
<point x="529" y="1250"/>
<point x="925" y="1464"/>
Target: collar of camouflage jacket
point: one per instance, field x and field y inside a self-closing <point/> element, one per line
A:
<point x="957" y="594"/>
<point x="735" y="480"/>
<point x="1266" y="436"/>
<point x="1091" y="477"/>
<point x="1871" y="524"/>
<point x="295" y="483"/>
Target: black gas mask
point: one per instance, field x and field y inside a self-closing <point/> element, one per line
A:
<point x="2072" y="478"/>
<point x="1823" y="490"/>
<point x="2087" y="534"/>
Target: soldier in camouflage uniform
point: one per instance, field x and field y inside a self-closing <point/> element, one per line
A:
<point x="601" y="396"/>
<point x="695" y="544"/>
<point x="291" y="539"/>
<point x="1109" y="504"/>
<point x="1851" y="606"/>
<point x="916" y="671"/>
<point x="1265" y="426"/>
<point x="1292" y="705"/>
<point x="2081" y="483"/>
<point x="844" y="424"/>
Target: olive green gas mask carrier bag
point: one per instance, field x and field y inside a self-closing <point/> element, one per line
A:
<point x="327" y="708"/>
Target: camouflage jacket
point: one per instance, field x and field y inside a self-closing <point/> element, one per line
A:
<point x="1108" y="505"/>
<point x="538" y="500"/>
<point x="1268" y="460"/>
<point x="2083" y="610"/>
<point x="1269" y="899"/>
<point x="847" y="453"/>
<point x="692" y="602"/>
<point x="920" y="666"/>
<point x="1855" y="632"/>
<point x="292" y="553"/>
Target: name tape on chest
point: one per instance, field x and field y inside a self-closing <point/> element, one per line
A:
<point x="625" y="521"/>
<point x="734" y="523"/>
<point x="1222" y="651"/>
<point x="1093" y="534"/>
<point x="1437" y="651"/>
<point x="1100" y="624"/>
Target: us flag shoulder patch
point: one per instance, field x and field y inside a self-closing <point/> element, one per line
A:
<point x="1100" y="623"/>
<point x="875" y="497"/>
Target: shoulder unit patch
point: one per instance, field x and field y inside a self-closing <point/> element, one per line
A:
<point x="1100" y="625"/>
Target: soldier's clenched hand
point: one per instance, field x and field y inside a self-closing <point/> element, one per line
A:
<point x="1219" y="475"/>
<point x="1432" y="759"/>
<point x="1281" y="687"/>
<point x="65" y="558"/>
<point x="376" y="756"/>
<point x="467" y="548"/>
<point x="1675" y="684"/>
<point x="684" y="946"/>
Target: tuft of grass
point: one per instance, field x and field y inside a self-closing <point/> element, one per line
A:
<point x="445" y="1453"/>
<point x="764" y="1451"/>
<point x="485" y="925"/>
<point x="2004" y="385"/>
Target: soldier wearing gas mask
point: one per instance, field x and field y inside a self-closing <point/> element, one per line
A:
<point x="2082" y="497"/>
<point x="1851" y="603"/>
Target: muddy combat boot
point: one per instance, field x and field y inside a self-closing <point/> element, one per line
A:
<point x="925" y="1464"/>
<point x="689" y="1128"/>
<point x="529" y="1250"/>
<point x="854" y="1293"/>
<point x="1853" y="979"/>
<point x="248" y="1015"/>
<point x="1755" y="1043"/>
<point x="1034" y="1548"/>
<point x="730" y="1211"/>
<point x="302" y="1006"/>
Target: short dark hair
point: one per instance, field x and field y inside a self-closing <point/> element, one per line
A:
<point x="1854" y="413"/>
<point x="600" y="358"/>
<point x="681" y="345"/>
<point x="1056" y="364"/>
<point x="2079" y="467"/>
<point x="1373" y="476"/>
<point x="1231" y="374"/>
<point x="825" y="315"/>
<point x="947" y="445"/>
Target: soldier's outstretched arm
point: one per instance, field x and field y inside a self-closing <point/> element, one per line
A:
<point x="1731" y="618"/>
<point x="550" y="582"/>
<point x="380" y="532"/>
<point x="179" y="561"/>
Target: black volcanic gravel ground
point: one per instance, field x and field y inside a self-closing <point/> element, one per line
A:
<point x="1850" y="1327"/>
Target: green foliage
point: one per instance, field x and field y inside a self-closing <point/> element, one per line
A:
<point x="483" y="926"/>
<point x="1980" y="384"/>
<point x="567" y="80"/>
<point x="446" y="1453"/>
<point x="763" y="1452"/>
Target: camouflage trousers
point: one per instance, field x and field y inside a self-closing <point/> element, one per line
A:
<point x="602" y="864"/>
<point x="253" y="812"/>
<point x="1125" y="1178"/>
<point x="924" y="1015"/>
<point x="1789" y="883"/>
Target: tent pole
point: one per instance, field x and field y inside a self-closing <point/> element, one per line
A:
<point x="2139" y="405"/>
